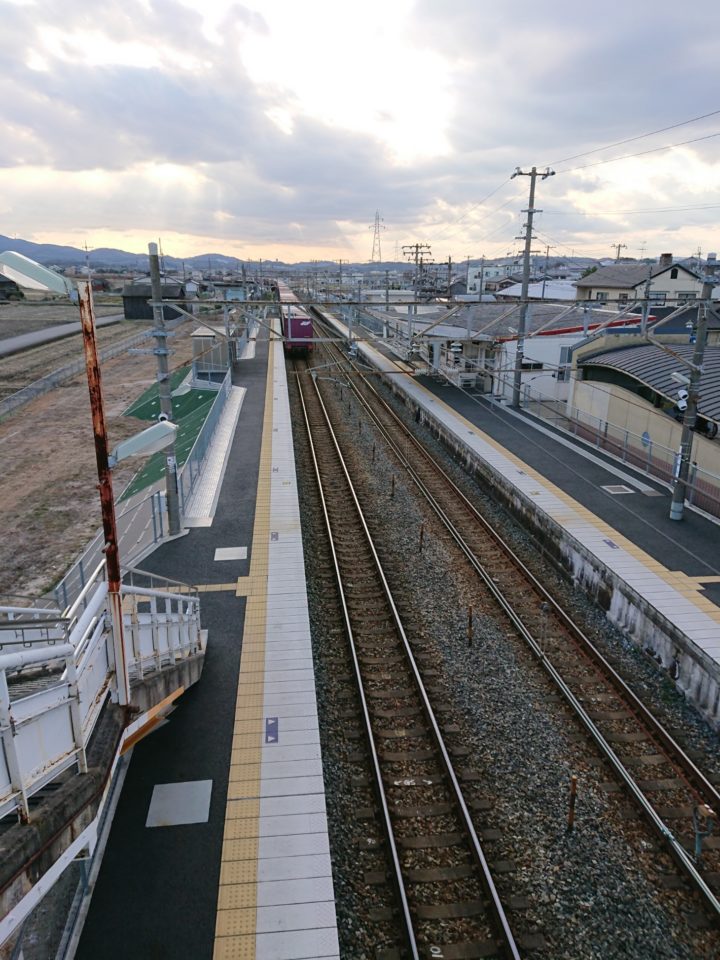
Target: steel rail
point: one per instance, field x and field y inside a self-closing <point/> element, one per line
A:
<point x="498" y="913"/>
<point x="677" y="850"/>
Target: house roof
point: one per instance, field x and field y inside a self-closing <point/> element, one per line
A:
<point x="553" y="290"/>
<point x="652" y="366"/>
<point x="625" y="276"/>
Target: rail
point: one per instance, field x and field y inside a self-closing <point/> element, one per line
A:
<point x="53" y="685"/>
<point x="495" y="909"/>
<point x="694" y="777"/>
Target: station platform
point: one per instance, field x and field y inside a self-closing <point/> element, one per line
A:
<point x="663" y="575"/>
<point x="219" y="845"/>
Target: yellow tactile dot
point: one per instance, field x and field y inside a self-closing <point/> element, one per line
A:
<point x="236" y="923"/>
<point x="250" y="754"/>
<point x="238" y="871"/>
<point x="235" y="948"/>
<point x="241" y="828"/>
<point x="243" y="789"/>
<point x="236" y="896"/>
<point x="245" y="741"/>
<point x="245" y="771"/>
<point x="244" y="849"/>
<point x="249" y="807"/>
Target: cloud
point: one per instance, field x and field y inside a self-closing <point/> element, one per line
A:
<point x="165" y="116"/>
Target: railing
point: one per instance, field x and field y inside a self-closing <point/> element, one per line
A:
<point x="191" y="470"/>
<point x="45" y="731"/>
<point x="641" y="452"/>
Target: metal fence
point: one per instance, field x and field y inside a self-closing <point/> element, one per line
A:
<point x="141" y="523"/>
<point x="191" y="470"/>
<point x="641" y="452"/>
<point x="70" y="370"/>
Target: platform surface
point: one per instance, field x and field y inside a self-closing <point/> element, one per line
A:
<point x="219" y="847"/>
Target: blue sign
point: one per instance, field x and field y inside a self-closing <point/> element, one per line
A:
<point x="271" y="730"/>
<point x="645" y="439"/>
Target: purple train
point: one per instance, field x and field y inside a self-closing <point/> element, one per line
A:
<point x="297" y="325"/>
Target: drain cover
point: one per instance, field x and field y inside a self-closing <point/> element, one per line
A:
<point x="616" y="488"/>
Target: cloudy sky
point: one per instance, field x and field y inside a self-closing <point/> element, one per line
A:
<point x="276" y="128"/>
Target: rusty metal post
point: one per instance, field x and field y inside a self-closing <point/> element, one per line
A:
<point x="573" y="798"/>
<point x="470" y="625"/>
<point x="107" y="501"/>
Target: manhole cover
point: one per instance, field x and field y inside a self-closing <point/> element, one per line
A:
<point x="616" y="488"/>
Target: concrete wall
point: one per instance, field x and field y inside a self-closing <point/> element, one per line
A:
<point x="609" y="403"/>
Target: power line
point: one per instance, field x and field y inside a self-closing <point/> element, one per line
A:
<point x="642" y="153"/>
<point x="641" y="136"/>
<point x="605" y="211"/>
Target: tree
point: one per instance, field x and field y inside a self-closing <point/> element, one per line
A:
<point x="588" y="272"/>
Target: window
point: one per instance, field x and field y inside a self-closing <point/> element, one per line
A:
<point x="658" y="296"/>
<point x="623" y="296"/>
<point x="686" y="296"/>
<point x="600" y="295"/>
<point x="673" y="273"/>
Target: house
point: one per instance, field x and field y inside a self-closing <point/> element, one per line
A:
<point x="136" y="296"/>
<point x="625" y="282"/>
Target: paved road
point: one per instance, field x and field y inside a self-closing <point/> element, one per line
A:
<point x="26" y="340"/>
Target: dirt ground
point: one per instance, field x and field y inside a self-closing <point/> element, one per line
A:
<point x="49" y="505"/>
<point x="26" y="316"/>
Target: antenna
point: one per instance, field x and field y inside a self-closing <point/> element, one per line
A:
<point x="377" y="227"/>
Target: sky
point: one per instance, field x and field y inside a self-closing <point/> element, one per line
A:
<point x="275" y="129"/>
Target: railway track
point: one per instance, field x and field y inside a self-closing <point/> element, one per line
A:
<point x="447" y="901"/>
<point x="663" y="782"/>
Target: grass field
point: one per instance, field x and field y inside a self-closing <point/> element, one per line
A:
<point x="189" y="413"/>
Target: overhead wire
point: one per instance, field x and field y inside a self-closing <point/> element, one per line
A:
<point x="641" y="136"/>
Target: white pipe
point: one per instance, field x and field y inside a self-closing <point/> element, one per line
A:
<point x="11" y="661"/>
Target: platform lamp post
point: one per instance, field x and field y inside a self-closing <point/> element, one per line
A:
<point x="148" y="441"/>
<point x="677" y="505"/>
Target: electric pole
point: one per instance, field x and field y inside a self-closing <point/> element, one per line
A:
<point x="617" y="247"/>
<point x="677" y="504"/>
<point x="341" y="262"/>
<point x="164" y="393"/>
<point x="531" y="211"/>
<point x="548" y="248"/>
<point x="415" y="254"/>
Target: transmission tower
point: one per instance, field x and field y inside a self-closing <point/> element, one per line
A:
<point x="377" y="228"/>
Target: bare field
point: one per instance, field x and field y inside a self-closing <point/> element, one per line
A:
<point x="49" y="505"/>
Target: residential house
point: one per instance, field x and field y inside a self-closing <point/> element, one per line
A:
<point x="623" y="283"/>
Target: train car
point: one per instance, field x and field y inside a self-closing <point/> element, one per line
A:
<point x="297" y="325"/>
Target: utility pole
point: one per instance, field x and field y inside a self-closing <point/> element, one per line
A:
<point x="449" y="274"/>
<point x="164" y="392"/>
<point x="531" y="211"/>
<point x="677" y="505"/>
<point x="646" y="302"/>
<point x="341" y="262"/>
<point x="482" y="278"/>
<point x="414" y="253"/>
<point x="105" y="487"/>
<point x="617" y="247"/>
<point x="548" y="248"/>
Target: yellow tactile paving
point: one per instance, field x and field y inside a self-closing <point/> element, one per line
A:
<point x="694" y="585"/>
<point x="237" y="906"/>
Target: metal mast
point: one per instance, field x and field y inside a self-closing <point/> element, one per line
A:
<point x="377" y="228"/>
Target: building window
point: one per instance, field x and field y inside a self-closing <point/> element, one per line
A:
<point x="686" y="296"/>
<point x="600" y="295"/>
<point x="623" y="297"/>
<point x="564" y="365"/>
<point x="658" y="296"/>
<point x="673" y="273"/>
